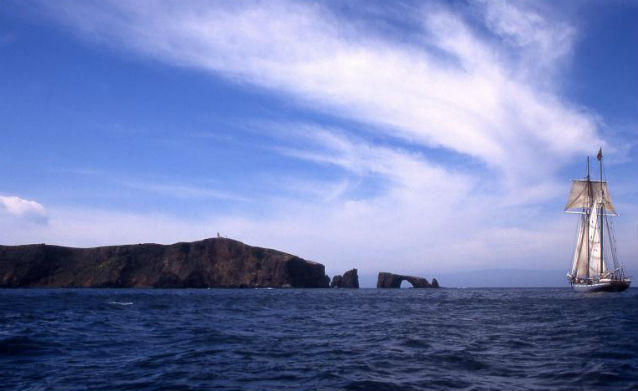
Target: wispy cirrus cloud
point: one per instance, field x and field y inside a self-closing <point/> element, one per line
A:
<point x="481" y="103"/>
<point x="183" y="191"/>
<point x="161" y="186"/>
<point x="541" y="42"/>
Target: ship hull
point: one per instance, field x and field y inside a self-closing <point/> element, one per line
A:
<point x="602" y="286"/>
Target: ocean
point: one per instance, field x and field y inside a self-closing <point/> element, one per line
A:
<point x="318" y="339"/>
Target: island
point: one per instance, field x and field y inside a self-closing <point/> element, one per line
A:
<point x="209" y="263"/>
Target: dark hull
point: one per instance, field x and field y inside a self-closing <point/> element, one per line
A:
<point x="602" y="286"/>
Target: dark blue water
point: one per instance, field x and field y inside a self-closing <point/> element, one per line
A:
<point x="318" y="339"/>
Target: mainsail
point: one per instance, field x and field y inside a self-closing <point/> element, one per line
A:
<point x="587" y="254"/>
<point x="595" y="254"/>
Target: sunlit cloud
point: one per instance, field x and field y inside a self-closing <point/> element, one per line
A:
<point x="18" y="210"/>
<point x="20" y="207"/>
<point x="482" y="103"/>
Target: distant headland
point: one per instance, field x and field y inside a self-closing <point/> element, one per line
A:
<point x="216" y="262"/>
<point x="209" y="263"/>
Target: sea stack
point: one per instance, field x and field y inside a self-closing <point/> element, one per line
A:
<point x="350" y="279"/>
<point x="209" y="263"/>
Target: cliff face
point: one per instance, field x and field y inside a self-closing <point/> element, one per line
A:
<point x="219" y="262"/>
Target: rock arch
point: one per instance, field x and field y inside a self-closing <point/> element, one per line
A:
<point x="390" y="280"/>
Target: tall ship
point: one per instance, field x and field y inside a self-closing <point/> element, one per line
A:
<point x="595" y="265"/>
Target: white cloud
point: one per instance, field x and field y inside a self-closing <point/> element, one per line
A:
<point x="480" y="104"/>
<point x="21" y="207"/>
<point x="16" y="212"/>
<point x="545" y="40"/>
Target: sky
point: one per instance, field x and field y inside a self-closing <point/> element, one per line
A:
<point x="435" y="138"/>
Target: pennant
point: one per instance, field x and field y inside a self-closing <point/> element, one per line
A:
<point x="599" y="156"/>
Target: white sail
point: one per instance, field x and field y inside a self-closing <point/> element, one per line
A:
<point x="587" y="254"/>
<point x="595" y="229"/>
<point x="581" y="252"/>
<point x="584" y="194"/>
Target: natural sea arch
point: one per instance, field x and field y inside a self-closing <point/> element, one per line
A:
<point x="390" y="280"/>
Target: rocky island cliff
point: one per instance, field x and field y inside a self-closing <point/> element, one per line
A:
<point x="215" y="263"/>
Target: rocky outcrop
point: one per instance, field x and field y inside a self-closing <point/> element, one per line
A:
<point x="389" y="280"/>
<point x="218" y="263"/>
<point x="350" y="279"/>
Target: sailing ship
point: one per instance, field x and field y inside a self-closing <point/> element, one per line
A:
<point x="591" y="269"/>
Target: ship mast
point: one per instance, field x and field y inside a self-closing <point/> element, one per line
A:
<point x="602" y="205"/>
<point x="586" y="218"/>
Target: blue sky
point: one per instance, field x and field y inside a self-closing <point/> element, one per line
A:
<point x="414" y="137"/>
